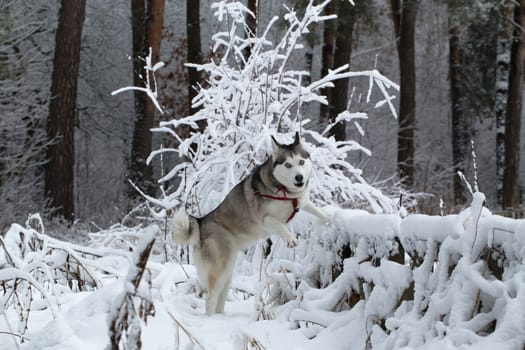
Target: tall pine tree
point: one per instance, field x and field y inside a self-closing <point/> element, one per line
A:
<point x="140" y="172"/>
<point x="511" y="183"/>
<point x="404" y="17"/>
<point x="59" y="170"/>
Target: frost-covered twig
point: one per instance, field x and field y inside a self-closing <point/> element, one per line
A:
<point x="150" y="88"/>
<point x="465" y="182"/>
<point x="13" y="274"/>
<point x="474" y="164"/>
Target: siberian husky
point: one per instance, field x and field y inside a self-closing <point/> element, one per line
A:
<point x="258" y="206"/>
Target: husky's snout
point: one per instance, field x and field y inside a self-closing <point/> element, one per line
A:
<point x="299" y="180"/>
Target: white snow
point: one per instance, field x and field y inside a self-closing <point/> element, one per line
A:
<point x="462" y="284"/>
<point x="458" y="301"/>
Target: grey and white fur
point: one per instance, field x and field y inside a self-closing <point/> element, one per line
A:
<point x="255" y="208"/>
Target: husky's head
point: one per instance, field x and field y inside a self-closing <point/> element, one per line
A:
<point x="291" y="164"/>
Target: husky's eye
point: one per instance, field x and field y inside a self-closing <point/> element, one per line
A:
<point x="301" y="162"/>
<point x="288" y="165"/>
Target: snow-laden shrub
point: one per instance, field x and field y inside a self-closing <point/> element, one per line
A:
<point x="245" y="100"/>
<point x="461" y="285"/>
<point x="36" y="270"/>
<point x="49" y="261"/>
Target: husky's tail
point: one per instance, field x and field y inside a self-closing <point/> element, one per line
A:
<point x="185" y="228"/>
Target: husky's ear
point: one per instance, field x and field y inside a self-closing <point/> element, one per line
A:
<point x="275" y="148"/>
<point x="297" y="139"/>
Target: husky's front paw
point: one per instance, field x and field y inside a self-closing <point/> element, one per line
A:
<point x="291" y="242"/>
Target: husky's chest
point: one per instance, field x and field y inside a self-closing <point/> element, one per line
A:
<point x="279" y="205"/>
<point x="268" y="197"/>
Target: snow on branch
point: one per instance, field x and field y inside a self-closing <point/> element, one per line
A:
<point x="35" y="270"/>
<point x="235" y="10"/>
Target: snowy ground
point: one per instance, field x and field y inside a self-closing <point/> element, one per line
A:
<point x="448" y="294"/>
<point x="83" y="324"/>
<point x="179" y="321"/>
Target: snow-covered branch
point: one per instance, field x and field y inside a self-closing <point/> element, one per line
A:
<point x="150" y="85"/>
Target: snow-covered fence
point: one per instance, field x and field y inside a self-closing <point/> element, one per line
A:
<point x="460" y="277"/>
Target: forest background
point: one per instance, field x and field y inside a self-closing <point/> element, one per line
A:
<point x="68" y="145"/>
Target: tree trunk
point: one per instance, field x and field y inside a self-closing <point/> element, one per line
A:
<point x="140" y="172"/>
<point x="337" y="49"/>
<point x="459" y="131"/>
<point x="343" y="51"/>
<point x="251" y="23"/>
<point x="59" y="171"/>
<point x="511" y="184"/>
<point x="138" y="15"/>
<point x="308" y="65"/>
<point x="404" y="18"/>
<point x="327" y="58"/>
<point x="502" y="86"/>
<point x="194" y="49"/>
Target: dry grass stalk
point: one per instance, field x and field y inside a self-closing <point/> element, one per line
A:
<point x="125" y="324"/>
<point x="190" y="336"/>
<point x="250" y="343"/>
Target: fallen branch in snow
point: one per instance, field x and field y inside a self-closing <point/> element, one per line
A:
<point x="15" y="335"/>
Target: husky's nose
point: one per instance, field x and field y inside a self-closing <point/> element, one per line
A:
<point x="299" y="178"/>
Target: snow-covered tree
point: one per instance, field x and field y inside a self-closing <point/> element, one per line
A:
<point x="246" y="100"/>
